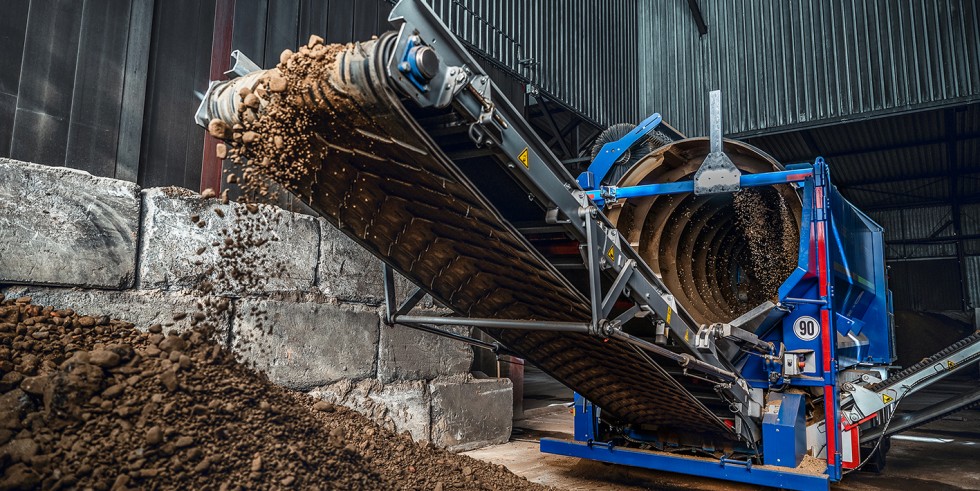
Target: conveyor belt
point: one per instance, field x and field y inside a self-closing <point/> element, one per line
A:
<point x="928" y="363"/>
<point x="386" y="184"/>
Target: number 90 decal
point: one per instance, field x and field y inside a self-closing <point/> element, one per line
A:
<point x="806" y="328"/>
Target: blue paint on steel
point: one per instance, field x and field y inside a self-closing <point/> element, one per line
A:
<point x="730" y="470"/>
<point x="612" y="151"/>
<point x="583" y="420"/>
<point x="410" y="68"/>
<point x="857" y="305"/>
<point x="612" y="193"/>
<point x="784" y="431"/>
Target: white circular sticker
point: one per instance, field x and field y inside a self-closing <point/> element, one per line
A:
<point x="806" y="328"/>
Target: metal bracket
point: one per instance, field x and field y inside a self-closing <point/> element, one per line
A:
<point x="486" y="130"/>
<point x="241" y="65"/>
<point x="420" y="73"/>
<point x="717" y="173"/>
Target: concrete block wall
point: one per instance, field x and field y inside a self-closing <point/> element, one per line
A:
<point x="311" y="322"/>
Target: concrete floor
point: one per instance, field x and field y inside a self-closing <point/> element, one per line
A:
<point x="939" y="456"/>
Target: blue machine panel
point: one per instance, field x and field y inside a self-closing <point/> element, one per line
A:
<point x="729" y="470"/>
<point x="784" y="430"/>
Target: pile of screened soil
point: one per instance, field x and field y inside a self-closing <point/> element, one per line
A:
<point x="94" y="403"/>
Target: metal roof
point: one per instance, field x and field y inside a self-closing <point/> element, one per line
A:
<point x="895" y="161"/>
<point x="800" y="63"/>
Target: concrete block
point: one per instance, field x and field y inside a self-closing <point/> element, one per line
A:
<point x="407" y="354"/>
<point x="141" y="307"/>
<point x="398" y="407"/>
<point x="66" y="227"/>
<point x="279" y="251"/>
<point x="349" y="272"/>
<point x="469" y="413"/>
<point x="302" y="345"/>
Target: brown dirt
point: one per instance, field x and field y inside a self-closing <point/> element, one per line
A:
<point x="772" y="241"/>
<point x="94" y="403"/>
<point x="277" y="148"/>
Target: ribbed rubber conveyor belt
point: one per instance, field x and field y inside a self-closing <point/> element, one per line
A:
<point x="386" y="184"/>
<point x="928" y="363"/>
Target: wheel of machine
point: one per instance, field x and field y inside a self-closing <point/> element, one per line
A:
<point x="876" y="461"/>
<point x="720" y="255"/>
<point x="653" y="140"/>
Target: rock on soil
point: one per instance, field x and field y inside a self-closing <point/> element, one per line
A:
<point x="95" y="403"/>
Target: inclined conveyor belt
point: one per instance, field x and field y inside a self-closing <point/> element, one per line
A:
<point x="388" y="185"/>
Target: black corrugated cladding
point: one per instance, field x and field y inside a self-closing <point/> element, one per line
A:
<point x="110" y="86"/>
<point x="798" y="63"/>
<point x="581" y="53"/>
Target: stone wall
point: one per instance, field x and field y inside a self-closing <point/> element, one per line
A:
<point x="312" y="321"/>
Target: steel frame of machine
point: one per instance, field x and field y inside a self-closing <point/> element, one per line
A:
<point x="579" y="211"/>
<point x="829" y="336"/>
<point x="497" y="126"/>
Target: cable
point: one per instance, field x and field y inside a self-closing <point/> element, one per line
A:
<point x="884" y="430"/>
<point x="908" y="388"/>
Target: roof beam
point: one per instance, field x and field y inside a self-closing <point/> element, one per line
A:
<point x="936" y="174"/>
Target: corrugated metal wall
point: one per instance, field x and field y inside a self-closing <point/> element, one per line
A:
<point x="581" y="53"/>
<point x="110" y="86"/>
<point x="63" y="83"/>
<point x="798" y="63"/>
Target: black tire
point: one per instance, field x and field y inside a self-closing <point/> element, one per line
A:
<point x="647" y="144"/>
<point x="876" y="463"/>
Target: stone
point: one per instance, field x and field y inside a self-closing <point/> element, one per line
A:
<point x="323" y="406"/>
<point x="20" y="450"/>
<point x="142" y="308"/>
<point x="104" y="358"/>
<point x="470" y="413"/>
<point x="400" y="406"/>
<point x="409" y="354"/>
<point x="77" y="229"/>
<point x="285" y="259"/>
<point x="302" y="345"/>
<point x="349" y="272"/>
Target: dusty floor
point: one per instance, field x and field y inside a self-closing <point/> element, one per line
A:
<point x="939" y="456"/>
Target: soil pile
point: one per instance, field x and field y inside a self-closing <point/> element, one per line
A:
<point x="94" y="403"/>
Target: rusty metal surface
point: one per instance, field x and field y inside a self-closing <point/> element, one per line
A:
<point x="387" y="185"/>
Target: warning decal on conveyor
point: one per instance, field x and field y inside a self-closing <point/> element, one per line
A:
<point x="887" y="398"/>
<point x="611" y="254"/>
<point x="523" y="158"/>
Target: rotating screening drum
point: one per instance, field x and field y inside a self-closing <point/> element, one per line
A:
<point x="721" y="254"/>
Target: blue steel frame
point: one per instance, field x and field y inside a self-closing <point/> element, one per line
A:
<point x="839" y="280"/>
<point x="729" y="470"/>
<point x="612" y="151"/>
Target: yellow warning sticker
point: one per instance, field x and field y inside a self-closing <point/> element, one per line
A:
<point x="950" y="364"/>
<point x="687" y="336"/>
<point x="669" y="311"/>
<point x="611" y="254"/>
<point x="887" y="398"/>
<point x="523" y="158"/>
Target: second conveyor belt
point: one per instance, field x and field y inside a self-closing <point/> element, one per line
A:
<point x="388" y="185"/>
